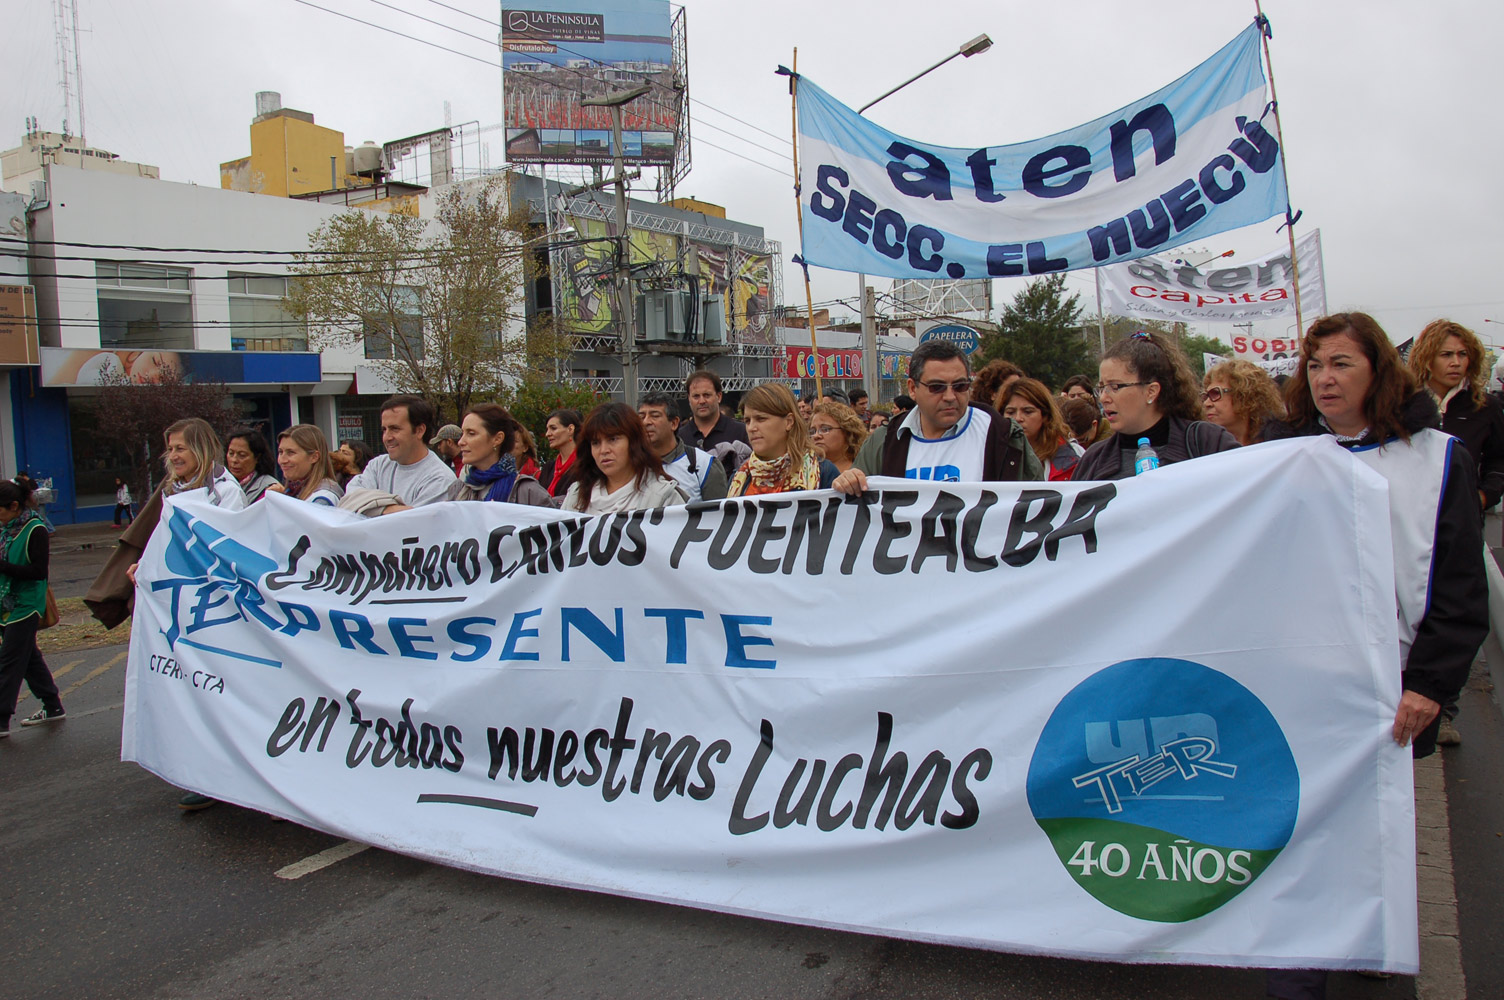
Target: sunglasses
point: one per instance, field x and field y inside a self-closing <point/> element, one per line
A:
<point x="1215" y="394"/>
<point x="959" y="387"/>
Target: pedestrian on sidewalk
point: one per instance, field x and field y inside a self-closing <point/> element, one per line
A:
<point x="122" y="502"/>
<point x="24" y="548"/>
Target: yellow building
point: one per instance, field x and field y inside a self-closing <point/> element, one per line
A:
<point x="290" y="155"/>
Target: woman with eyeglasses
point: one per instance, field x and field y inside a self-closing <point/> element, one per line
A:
<point x="1241" y="397"/>
<point x="783" y="461"/>
<point x="1353" y="386"/>
<point x="837" y="433"/>
<point x="1030" y="405"/>
<point x="1148" y="392"/>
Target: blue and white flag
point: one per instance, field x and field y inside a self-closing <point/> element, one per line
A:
<point x="1190" y="160"/>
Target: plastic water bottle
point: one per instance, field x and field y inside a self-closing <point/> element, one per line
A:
<point x="1147" y="459"/>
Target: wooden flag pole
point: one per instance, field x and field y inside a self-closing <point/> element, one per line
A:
<point x="1279" y="135"/>
<point x="809" y="298"/>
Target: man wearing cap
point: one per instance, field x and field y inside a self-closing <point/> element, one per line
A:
<point x="446" y="444"/>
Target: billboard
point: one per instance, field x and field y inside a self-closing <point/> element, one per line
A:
<point x="63" y="366"/>
<point x="18" y="325"/>
<point x="834" y="362"/>
<point x="555" y="53"/>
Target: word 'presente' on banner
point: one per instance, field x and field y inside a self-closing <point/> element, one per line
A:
<point x="1216" y="292"/>
<point x="1190" y="160"/>
<point x="699" y="705"/>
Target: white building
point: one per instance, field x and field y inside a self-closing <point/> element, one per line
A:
<point x="104" y="303"/>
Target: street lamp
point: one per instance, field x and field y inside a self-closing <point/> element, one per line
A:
<point x="979" y="44"/>
<point x="871" y="378"/>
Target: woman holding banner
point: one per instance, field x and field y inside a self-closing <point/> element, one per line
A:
<point x="1353" y="385"/>
<point x="303" y="455"/>
<point x="487" y="436"/>
<point x="1147" y="391"/>
<point x="616" y="470"/>
<point x="1241" y="397"/>
<point x="783" y="460"/>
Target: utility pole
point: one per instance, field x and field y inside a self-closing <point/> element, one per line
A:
<point x="626" y="305"/>
<point x="871" y="377"/>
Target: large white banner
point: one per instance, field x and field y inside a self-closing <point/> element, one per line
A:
<point x="1195" y="158"/>
<point x="1160" y="288"/>
<point x="1054" y="719"/>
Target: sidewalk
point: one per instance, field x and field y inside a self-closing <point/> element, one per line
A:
<point x="1441" y="976"/>
<point x="82" y="537"/>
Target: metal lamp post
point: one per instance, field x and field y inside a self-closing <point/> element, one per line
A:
<point x="870" y="375"/>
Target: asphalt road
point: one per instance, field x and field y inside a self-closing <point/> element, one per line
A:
<point x="107" y="890"/>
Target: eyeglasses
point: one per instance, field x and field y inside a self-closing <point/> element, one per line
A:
<point x="1215" y="394"/>
<point x="960" y="387"/>
<point x="817" y="430"/>
<point x="1115" y="387"/>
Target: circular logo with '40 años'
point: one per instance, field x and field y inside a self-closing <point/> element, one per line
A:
<point x="1165" y="787"/>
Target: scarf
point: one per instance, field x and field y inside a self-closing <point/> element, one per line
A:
<point x="561" y="466"/>
<point x="9" y="534"/>
<point x="780" y="475"/>
<point x="502" y="477"/>
<point x="293" y="488"/>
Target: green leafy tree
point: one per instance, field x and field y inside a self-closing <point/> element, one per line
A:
<point x="436" y="304"/>
<point x="1041" y="332"/>
<point x="533" y="400"/>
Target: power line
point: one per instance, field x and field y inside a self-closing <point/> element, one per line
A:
<point x="399" y="34"/>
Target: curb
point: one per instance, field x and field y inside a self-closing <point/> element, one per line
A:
<point x="1441" y="975"/>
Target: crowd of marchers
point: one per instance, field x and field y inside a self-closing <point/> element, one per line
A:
<point x="1432" y="424"/>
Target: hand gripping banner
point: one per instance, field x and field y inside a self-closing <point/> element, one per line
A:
<point x="1190" y="160"/>
<point x="1142" y="721"/>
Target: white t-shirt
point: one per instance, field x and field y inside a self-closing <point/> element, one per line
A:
<point x="424" y="482"/>
<point x="957" y="457"/>
<point x="692" y="483"/>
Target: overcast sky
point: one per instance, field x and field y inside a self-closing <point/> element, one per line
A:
<point x="1392" y="147"/>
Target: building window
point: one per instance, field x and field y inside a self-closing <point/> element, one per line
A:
<point x="402" y="343"/>
<point x="258" y="319"/>
<point x="144" y="306"/>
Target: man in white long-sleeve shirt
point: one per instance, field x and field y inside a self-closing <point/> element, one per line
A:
<point x="408" y="470"/>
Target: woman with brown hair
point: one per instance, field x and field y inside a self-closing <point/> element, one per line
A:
<point x="1241" y="397"/>
<point x="1030" y="405"/>
<point x="1352" y="385"/>
<point x="1447" y="359"/>
<point x="308" y="474"/>
<point x="616" y="470"/>
<point x="783" y="460"/>
<point x="490" y="472"/>
<point x="837" y="432"/>
<point x="1149" y="395"/>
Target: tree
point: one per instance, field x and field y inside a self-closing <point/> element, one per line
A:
<point x="532" y="401"/>
<point x="436" y="304"/>
<point x="134" y="416"/>
<point x="1041" y="332"/>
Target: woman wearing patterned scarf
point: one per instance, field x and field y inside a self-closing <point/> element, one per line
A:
<point x="24" y="549"/>
<point x="782" y="459"/>
<point x="486" y="437"/>
<point x="303" y="454"/>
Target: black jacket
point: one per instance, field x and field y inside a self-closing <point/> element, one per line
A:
<point x="1481" y="430"/>
<point x="1456" y="619"/>
<point x="1175" y="440"/>
<point x="725" y="429"/>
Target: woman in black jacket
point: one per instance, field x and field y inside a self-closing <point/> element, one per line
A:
<point x="1352" y="385"/>
<point x="1447" y="359"/>
<point x="1148" y="391"/>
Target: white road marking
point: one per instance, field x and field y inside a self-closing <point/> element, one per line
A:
<point x="323" y="859"/>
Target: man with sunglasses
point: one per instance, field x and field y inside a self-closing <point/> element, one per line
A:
<point x="946" y="437"/>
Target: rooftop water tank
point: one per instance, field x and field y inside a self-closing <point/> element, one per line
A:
<point x="367" y="158"/>
<point x="267" y="101"/>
